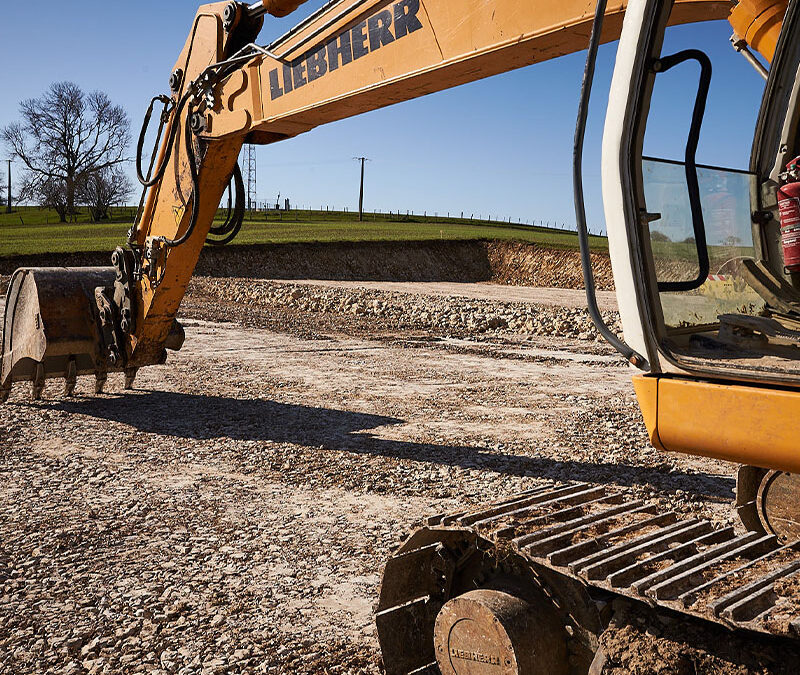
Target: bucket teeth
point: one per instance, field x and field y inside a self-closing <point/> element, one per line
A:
<point x="100" y="378"/>
<point x="71" y="379"/>
<point x="130" y="376"/>
<point x="38" y="382"/>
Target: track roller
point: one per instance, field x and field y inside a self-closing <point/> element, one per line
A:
<point x="452" y="603"/>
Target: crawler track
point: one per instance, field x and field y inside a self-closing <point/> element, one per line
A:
<point x="587" y="546"/>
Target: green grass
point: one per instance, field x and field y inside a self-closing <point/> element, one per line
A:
<point x="36" y="231"/>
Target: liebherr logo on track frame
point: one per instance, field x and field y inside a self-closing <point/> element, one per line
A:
<point x="377" y="31"/>
<point x="477" y="657"/>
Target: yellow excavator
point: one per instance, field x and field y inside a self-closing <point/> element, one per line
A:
<point x="706" y="263"/>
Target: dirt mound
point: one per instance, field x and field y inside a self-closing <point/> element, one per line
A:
<point x="450" y="315"/>
<point x="640" y="643"/>
<point x="514" y="263"/>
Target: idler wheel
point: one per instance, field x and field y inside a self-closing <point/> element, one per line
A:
<point x="485" y="632"/>
<point x="778" y="504"/>
<point x="767" y="501"/>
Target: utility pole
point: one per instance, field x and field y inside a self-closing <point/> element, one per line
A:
<point x="361" y="190"/>
<point x="8" y="201"/>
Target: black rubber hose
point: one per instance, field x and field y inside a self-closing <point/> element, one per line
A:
<point x="238" y="211"/>
<point x="580" y="207"/>
<point x="142" y="135"/>
<point x="153" y="178"/>
<point x="226" y="227"/>
<point x="192" y="161"/>
<point x="236" y="183"/>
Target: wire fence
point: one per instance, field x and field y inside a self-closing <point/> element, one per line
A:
<point x="31" y="215"/>
<point x="327" y="213"/>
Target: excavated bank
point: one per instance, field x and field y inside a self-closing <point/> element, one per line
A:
<point x="507" y="262"/>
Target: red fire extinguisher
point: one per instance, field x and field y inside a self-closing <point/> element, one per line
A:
<point x="789" y="208"/>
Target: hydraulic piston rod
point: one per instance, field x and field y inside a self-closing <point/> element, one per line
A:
<point x="274" y="7"/>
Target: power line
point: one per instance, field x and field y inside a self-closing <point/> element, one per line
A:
<point x="8" y="201"/>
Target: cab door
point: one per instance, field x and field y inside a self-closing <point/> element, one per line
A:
<point x="695" y="245"/>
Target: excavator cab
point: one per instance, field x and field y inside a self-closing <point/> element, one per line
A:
<point x="716" y="288"/>
<point x="705" y="256"/>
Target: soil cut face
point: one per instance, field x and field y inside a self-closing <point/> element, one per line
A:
<point x="234" y="512"/>
<point x="502" y="262"/>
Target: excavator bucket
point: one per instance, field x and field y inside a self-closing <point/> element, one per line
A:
<point x="51" y="327"/>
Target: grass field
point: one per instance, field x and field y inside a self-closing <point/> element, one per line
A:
<point x="32" y="230"/>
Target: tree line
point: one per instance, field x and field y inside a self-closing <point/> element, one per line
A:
<point x="72" y="147"/>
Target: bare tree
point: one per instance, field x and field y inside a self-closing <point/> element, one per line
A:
<point x="64" y="137"/>
<point x="3" y="189"/>
<point x="49" y="193"/>
<point x="104" y="189"/>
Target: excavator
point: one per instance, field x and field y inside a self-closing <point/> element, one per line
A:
<point x="706" y="264"/>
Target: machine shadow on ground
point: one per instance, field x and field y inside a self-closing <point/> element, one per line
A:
<point x="206" y="417"/>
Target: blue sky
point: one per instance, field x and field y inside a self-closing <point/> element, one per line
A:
<point x="500" y="146"/>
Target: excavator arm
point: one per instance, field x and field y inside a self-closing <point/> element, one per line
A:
<point x="349" y="57"/>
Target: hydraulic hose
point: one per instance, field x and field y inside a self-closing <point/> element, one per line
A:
<point x="192" y="161"/>
<point x="226" y="226"/>
<point x="154" y="177"/>
<point x="235" y="217"/>
<point x="580" y="207"/>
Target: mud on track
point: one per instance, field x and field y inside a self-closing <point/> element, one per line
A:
<point x="233" y="514"/>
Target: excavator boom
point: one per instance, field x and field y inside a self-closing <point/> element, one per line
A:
<point x="358" y="56"/>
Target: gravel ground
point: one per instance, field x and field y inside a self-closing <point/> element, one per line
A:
<point x="233" y="513"/>
<point x="452" y="315"/>
<point x="564" y="297"/>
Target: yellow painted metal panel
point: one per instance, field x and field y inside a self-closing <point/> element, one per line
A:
<point x="646" y="388"/>
<point x="738" y="423"/>
<point x="387" y="52"/>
